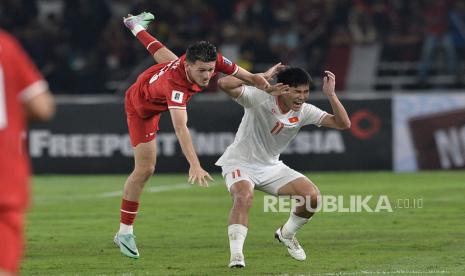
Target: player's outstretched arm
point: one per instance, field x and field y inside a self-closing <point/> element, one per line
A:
<point x="340" y="119"/>
<point x="256" y="80"/>
<point x="196" y="173"/>
<point x="232" y="86"/>
<point x="137" y="24"/>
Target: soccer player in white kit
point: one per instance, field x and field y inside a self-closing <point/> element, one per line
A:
<point x="252" y="160"/>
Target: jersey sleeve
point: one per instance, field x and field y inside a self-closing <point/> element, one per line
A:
<point x="312" y="115"/>
<point x="176" y="98"/>
<point x="225" y="66"/>
<point x="30" y="81"/>
<point x="251" y="96"/>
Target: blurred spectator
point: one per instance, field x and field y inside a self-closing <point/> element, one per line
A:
<point x="403" y="33"/>
<point x="457" y="23"/>
<point x="83" y="42"/>
<point x="284" y="41"/>
<point x="361" y="24"/>
<point x="435" y="16"/>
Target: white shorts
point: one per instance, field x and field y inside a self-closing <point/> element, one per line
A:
<point x="268" y="179"/>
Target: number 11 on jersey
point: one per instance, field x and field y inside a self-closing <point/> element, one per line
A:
<point x="277" y="128"/>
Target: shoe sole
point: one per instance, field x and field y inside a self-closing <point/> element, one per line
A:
<point x="236" y="265"/>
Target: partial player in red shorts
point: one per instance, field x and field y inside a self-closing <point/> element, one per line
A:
<point x="168" y="85"/>
<point x="24" y="95"/>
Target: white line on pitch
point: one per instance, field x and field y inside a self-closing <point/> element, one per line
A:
<point x="119" y="193"/>
<point x="364" y="272"/>
<point x="157" y="189"/>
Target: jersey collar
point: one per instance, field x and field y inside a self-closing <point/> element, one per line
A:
<point x="279" y="107"/>
<point x="196" y="88"/>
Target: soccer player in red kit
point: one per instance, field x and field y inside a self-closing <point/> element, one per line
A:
<point x="24" y="95"/>
<point x="164" y="87"/>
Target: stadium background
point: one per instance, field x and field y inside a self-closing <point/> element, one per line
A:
<point x="405" y="98"/>
<point x="395" y="61"/>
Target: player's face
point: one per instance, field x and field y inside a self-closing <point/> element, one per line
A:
<point x="296" y="98"/>
<point x="200" y="72"/>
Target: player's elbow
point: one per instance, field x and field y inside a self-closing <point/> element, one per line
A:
<point x="180" y="128"/>
<point x="222" y="84"/>
<point x="341" y="124"/>
<point x="226" y="84"/>
<point x="345" y="124"/>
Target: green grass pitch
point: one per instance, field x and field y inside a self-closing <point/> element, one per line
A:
<point x="181" y="229"/>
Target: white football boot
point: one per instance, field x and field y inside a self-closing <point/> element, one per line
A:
<point x="143" y="19"/>
<point x="237" y="261"/>
<point x="293" y="246"/>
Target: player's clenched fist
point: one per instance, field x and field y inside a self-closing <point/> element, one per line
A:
<point x="329" y="83"/>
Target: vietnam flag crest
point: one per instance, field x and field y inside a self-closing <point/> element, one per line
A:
<point x="293" y="120"/>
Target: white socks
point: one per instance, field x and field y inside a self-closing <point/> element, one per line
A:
<point x="293" y="224"/>
<point x="137" y="28"/>
<point x="237" y="234"/>
<point x="125" y="229"/>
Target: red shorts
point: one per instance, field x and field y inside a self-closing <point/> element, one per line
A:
<point x="11" y="233"/>
<point x="141" y="130"/>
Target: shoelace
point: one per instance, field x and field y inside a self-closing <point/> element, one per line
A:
<point x="294" y="244"/>
<point x="237" y="257"/>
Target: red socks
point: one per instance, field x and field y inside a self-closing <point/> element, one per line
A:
<point x="150" y="43"/>
<point x="128" y="211"/>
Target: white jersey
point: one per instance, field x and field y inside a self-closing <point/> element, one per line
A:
<point x="265" y="131"/>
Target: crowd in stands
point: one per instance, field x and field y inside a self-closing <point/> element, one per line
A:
<point x="82" y="46"/>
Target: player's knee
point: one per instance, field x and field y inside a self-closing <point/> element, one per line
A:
<point x="144" y="172"/>
<point x="243" y="198"/>
<point x="311" y="195"/>
<point x="308" y="200"/>
<point x="314" y="193"/>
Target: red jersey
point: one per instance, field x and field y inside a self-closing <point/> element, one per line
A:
<point x="19" y="81"/>
<point x="165" y="86"/>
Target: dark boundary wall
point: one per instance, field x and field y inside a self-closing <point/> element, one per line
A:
<point x="92" y="138"/>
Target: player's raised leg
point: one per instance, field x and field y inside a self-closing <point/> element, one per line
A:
<point x="305" y="190"/>
<point x="242" y="196"/>
<point x="144" y="166"/>
<point x="138" y="24"/>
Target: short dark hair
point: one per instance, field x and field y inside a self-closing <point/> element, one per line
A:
<point x="202" y="51"/>
<point x="294" y="76"/>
